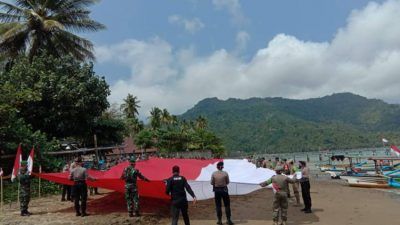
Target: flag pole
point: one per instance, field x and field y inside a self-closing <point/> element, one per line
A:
<point x="1" y="191"/>
<point x="18" y="193"/>
<point x="40" y="171"/>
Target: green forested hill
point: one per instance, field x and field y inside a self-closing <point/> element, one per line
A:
<point x="337" y="121"/>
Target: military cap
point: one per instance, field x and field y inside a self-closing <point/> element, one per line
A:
<point x="24" y="163"/>
<point x="132" y="159"/>
<point x="279" y="168"/>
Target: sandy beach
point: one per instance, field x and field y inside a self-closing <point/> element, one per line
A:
<point x="333" y="203"/>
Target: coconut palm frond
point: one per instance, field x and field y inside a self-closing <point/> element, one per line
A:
<point x="6" y="17"/>
<point x="47" y="26"/>
<point x="52" y="25"/>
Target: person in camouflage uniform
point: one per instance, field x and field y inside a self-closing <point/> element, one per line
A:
<point x="130" y="175"/>
<point x="24" y="179"/>
<point x="280" y="185"/>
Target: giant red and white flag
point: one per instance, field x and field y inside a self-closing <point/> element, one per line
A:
<point x="30" y="160"/>
<point x="244" y="176"/>
<point x="395" y="150"/>
<point x="17" y="163"/>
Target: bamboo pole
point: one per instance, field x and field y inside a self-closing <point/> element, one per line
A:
<point x="1" y="196"/>
<point x="40" y="171"/>
<point x="18" y="192"/>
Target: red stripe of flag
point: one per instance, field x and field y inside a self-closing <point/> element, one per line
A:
<point x="17" y="163"/>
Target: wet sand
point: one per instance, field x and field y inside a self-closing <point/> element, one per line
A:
<point x="333" y="203"/>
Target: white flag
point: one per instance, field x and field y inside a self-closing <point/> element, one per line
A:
<point x="384" y="140"/>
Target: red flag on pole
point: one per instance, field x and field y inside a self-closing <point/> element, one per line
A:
<point x="395" y="150"/>
<point x="30" y="160"/>
<point x="17" y="163"/>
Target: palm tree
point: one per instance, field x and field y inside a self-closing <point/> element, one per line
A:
<point x="201" y="123"/>
<point x="31" y="27"/>
<point x="130" y="106"/>
<point x="165" y="117"/>
<point x="155" y="118"/>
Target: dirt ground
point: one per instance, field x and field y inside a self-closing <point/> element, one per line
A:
<point x="333" y="203"/>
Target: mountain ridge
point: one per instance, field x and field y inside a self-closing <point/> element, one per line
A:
<point x="340" y="120"/>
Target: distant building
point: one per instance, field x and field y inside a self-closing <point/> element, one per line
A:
<point x="129" y="148"/>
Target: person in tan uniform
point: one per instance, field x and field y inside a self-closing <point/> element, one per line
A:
<point x="220" y="181"/>
<point x="280" y="185"/>
<point x="295" y="186"/>
<point x="79" y="175"/>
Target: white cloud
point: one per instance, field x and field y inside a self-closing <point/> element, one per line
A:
<point x="234" y="8"/>
<point x="242" y="38"/>
<point x="190" y="25"/>
<point x="363" y="57"/>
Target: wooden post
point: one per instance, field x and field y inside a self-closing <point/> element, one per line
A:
<point x="40" y="183"/>
<point x="1" y="196"/>
<point x="18" y="193"/>
<point x="95" y="147"/>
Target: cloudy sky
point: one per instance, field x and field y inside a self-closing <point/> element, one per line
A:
<point x="174" y="53"/>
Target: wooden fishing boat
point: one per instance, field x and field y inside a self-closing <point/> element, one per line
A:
<point x="367" y="181"/>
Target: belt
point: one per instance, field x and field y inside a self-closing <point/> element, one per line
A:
<point x="80" y="181"/>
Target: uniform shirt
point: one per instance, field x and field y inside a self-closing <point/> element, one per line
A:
<point x="130" y="176"/>
<point x="279" y="182"/>
<point x="176" y="186"/>
<point x="24" y="178"/>
<point x="305" y="174"/>
<point x="220" y="179"/>
<point x="78" y="174"/>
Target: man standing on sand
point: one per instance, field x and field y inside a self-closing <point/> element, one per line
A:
<point x="280" y="187"/>
<point x="130" y="175"/>
<point x="305" y="187"/>
<point x="176" y="186"/>
<point x="220" y="181"/>
<point x="24" y="179"/>
<point x="79" y="175"/>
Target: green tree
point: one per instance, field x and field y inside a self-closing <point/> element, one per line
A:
<point x="130" y="106"/>
<point x="32" y="26"/>
<point x="144" y="139"/>
<point x="155" y="118"/>
<point x="201" y="123"/>
<point x="71" y="96"/>
<point x="166" y="118"/>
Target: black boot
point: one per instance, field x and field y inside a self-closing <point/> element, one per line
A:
<point x="130" y="214"/>
<point x="230" y="222"/>
<point x="23" y="213"/>
<point x="137" y="214"/>
<point x="78" y="213"/>
<point x="219" y="221"/>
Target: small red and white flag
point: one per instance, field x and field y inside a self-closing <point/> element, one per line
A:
<point x="17" y="163"/>
<point x="395" y="150"/>
<point x="1" y="172"/>
<point x="384" y="140"/>
<point x="30" y="160"/>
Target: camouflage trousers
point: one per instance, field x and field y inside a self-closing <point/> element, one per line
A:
<point x="132" y="199"/>
<point x="280" y="205"/>
<point x="24" y="199"/>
